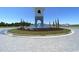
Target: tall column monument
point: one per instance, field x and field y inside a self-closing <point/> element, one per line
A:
<point x="39" y="11"/>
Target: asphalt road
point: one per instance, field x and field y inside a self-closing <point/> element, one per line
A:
<point x="12" y="43"/>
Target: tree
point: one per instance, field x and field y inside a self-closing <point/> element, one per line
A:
<point x="49" y="24"/>
<point x="22" y="23"/>
<point x="57" y="23"/>
<point x="2" y="24"/>
<point x="53" y="24"/>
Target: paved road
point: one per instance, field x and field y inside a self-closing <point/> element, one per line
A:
<point x="49" y="44"/>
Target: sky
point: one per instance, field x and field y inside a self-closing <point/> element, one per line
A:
<point x="66" y="15"/>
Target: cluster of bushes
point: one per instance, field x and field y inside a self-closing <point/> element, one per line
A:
<point x="3" y="24"/>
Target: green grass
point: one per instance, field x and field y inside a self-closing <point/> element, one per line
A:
<point x="74" y="26"/>
<point x="7" y="26"/>
<point x="42" y="33"/>
<point x="77" y="25"/>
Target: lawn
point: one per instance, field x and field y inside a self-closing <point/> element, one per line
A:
<point x="42" y="33"/>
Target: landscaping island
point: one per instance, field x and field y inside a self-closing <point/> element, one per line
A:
<point x="55" y="31"/>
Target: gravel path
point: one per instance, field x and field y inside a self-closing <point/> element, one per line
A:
<point x="9" y="43"/>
